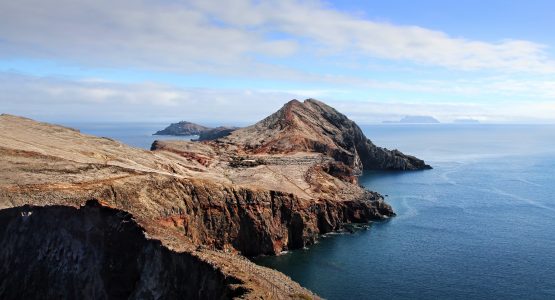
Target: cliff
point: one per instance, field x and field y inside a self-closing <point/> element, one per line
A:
<point x="313" y="126"/>
<point x="188" y="210"/>
<point x="216" y="133"/>
<point x="96" y="252"/>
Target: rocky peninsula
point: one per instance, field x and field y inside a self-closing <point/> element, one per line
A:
<point x="89" y="217"/>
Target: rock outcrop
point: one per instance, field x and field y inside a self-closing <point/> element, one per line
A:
<point x="188" y="210"/>
<point x="182" y="128"/>
<point x="216" y="133"/>
<point x="313" y="126"/>
<point x="97" y="252"/>
<point x="205" y="133"/>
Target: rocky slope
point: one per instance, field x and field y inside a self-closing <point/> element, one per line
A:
<point x="188" y="209"/>
<point x="182" y="128"/>
<point x="313" y="126"/>
<point x="43" y="165"/>
<point x="216" y="133"/>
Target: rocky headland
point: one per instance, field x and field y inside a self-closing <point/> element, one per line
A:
<point x="182" y="128"/>
<point x="216" y="133"/>
<point x="89" y="217"/>
<point x="185" y="128"/>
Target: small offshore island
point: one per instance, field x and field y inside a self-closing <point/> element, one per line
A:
<point x="204" y="133"/>
<point x="83" y="216"/>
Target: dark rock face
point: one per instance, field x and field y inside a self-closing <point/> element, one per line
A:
<point x="313" y="126"/>
<point x="253" y="222"/>
<point x="182" y="128"/>
<point x="94" y="252"/>
<point x="216" y="133"/>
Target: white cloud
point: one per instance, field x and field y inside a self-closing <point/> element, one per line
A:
<point x="54" y="99"/>
<point x="226" y="38"/>
<point x="85" y="100"/>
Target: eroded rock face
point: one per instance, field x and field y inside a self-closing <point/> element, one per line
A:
<point x="96" y="252"/>
<point x="216" y="133"/>
<point x="313" y="126"/>
<point x="252" y="222"/>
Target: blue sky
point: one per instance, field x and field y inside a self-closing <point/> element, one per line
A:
<point x="237" y="61"/>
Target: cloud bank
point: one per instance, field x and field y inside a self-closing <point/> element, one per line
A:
<point x="326" y="53"/>
<point x="52" y="99"/>
<point x="232" y="37"/>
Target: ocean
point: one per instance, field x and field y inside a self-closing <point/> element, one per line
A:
<point x="480" y="225"/>
<point x="133" y="134"/>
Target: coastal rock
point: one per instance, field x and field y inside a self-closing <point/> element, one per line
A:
<point x="196" y="207"/>
<point x="204" y="133"/>
<point x="97" y="252"/>
<point x="182" y="128"/>
<point x="312" y="126"/>
<point x="216" y="133"/>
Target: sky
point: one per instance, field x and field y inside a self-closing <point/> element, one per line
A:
<point x="234" y="62"/>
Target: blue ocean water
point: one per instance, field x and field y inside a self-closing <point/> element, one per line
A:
<point x="133" y="134"/>
<point x="480" y="225"/>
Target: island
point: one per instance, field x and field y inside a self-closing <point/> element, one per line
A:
<point x="185" y="128"/>
<point x="466" y="121"/>
<point x="82" y="215"/>
<point x="415" y="120"/>
<point x="182" y="128"/>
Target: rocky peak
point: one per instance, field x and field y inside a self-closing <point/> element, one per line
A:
<point x="313" y="126"/>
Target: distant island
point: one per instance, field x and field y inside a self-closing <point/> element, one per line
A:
<point x="466" y="121"/>
<point x="415" y="120"/>
<point x="185" y="128"/>
<point x="182" y="128"/>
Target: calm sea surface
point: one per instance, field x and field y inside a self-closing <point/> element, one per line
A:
<point x="480" y="225"/>
<point x="133" y="134"/>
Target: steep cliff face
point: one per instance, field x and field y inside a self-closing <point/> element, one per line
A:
<point x="249" y="221"/>
<point x="313" y="126"/>
<point x="97" y="252"/>
<point x="216" y="133"/>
